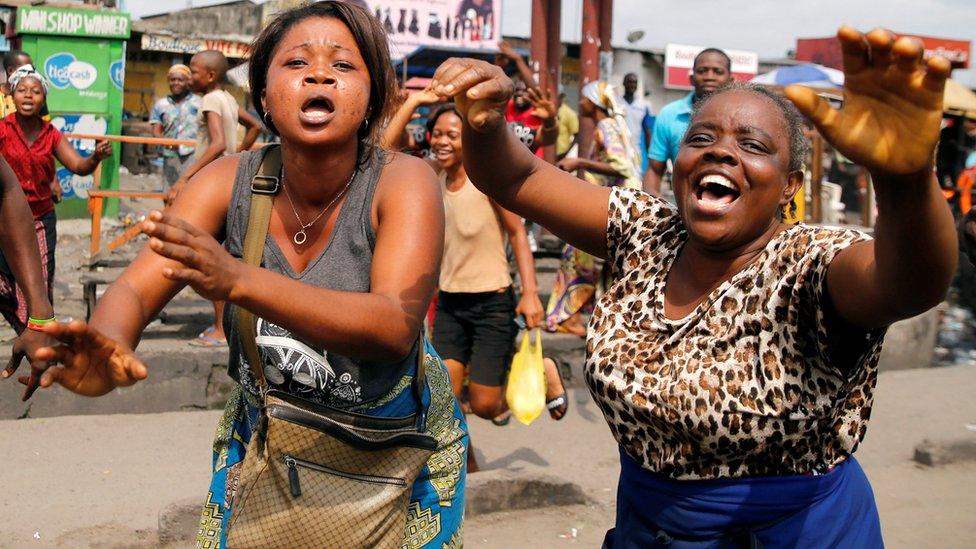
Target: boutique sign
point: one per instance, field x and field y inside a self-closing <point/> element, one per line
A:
<point x="72" y="22"/>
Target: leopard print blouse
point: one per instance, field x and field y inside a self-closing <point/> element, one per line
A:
<point x="748" y="384"/>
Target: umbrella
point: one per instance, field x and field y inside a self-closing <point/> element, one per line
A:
<point x="807" y="74"/>
<point x="958" y="99"/>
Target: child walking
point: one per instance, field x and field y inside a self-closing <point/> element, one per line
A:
<point x="216" y="137"/>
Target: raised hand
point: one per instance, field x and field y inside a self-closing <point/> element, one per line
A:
<point x="90" y="363"/>
<point x="481" y="90"/>
<point x="542" y="103"/>
<point x="174" y="191"/>
<point x="204" y="263"/>
<point x="892" y="103"/>
<point x="423" y="97"/>
<point x="26" y="346"/>
<point x="506" y="50"/>
<point x="103" y="150"/>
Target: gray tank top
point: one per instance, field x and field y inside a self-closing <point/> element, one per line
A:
<point x="289" y="363"/>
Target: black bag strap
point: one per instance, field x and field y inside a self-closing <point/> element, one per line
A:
<point x="264" y="186"/>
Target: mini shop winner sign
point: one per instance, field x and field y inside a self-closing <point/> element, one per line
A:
<point x="69" y="22"/>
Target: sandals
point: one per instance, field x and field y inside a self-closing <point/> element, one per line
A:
<point x="560" y="402"/>
<point x="206" y="339"/>
<point x="502" y="419"/>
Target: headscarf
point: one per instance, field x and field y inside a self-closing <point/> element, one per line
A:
<point x="180" y="69"/>
<point x="26" y="71"/>
<point x="603" y="95"/>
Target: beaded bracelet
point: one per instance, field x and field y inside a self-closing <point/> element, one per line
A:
<point x="38" y="324"/>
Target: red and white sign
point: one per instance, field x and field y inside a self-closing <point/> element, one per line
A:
<point x="411" y="24"/>
<point x="679" y="59"/>
<point x="826" y="51"/>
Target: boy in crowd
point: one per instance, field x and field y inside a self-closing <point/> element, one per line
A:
<point x="216" y="136"/>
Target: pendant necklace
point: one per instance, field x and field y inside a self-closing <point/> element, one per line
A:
<point x="301" y="237"/>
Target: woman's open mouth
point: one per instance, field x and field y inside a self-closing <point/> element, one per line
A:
<point x="317" y="110"/>
<point x="716" y="193"/>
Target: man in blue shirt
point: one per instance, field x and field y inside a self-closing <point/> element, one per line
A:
<point x="175" y="117"/>
<point x="712" y="68"/>
<point x="640" y="119"/>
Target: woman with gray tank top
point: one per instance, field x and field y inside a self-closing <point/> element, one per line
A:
<point x="350" y="263"/>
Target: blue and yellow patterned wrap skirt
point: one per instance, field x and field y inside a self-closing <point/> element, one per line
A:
<point x="436" y="511"/>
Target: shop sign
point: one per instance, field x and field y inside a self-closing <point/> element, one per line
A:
<point x="679" y="60"/>
<point x="71" y="22"/>
<point x="6" y="18"/>
<point x="826" y="51"/>
<point x="77" y="186"/>
<point x="411" y="24"/>
<point x="179" y="44"/>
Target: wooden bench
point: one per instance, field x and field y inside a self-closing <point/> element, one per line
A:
<point x="90" y="282"/>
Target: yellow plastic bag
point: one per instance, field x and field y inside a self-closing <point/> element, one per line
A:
<point x="526" y="392"/>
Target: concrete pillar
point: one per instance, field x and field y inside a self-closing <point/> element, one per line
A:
<point x="589" y="65"/>
<point x="546" y="50"/>
<point x="606" y="32"/>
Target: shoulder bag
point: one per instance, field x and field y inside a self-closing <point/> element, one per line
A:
<point x="313" y="475"/>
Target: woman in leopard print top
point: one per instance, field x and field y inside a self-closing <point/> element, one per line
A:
<point x="734" y="356"/>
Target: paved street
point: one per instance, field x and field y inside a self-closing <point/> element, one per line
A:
<point x="102" y="481"/>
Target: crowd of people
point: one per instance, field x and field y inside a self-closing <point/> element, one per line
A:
<point x="733" y="355"/>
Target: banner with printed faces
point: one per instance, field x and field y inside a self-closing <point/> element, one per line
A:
<point x="81" y="73"/>
<point x="411" y="24"/>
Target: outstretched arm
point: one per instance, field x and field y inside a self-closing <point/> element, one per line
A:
<point x="379" y="325"/>
<point x="81" y="165"/>
<point x="253" y="129"/>
<point x="525" y="73"/>
<point x="98" y="357"/>
<point x="572" y="209"/>
<point x="18" y="241"/>
<point x="394" y="133"/>
<point x="529" y="305"/>
<point x="890" y="125"/>
<point x="211" y="153"/>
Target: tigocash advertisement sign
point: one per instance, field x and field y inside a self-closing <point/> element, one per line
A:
<point x="80" y="72"/>
<point x="411" y="24"/>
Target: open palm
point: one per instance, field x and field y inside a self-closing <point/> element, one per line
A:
<point x="889" y="122"/>
<point x="90" y="364"/>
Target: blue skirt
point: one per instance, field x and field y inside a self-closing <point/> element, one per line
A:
<point x="436" y="512"/>
<point x="832" y="510"/>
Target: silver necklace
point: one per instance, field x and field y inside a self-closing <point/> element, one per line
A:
<point x="301" y="236"/>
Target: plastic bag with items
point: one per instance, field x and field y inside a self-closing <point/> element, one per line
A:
<point x="526" y="392"/>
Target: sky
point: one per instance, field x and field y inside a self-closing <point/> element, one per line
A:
<point x="769" y="27"/>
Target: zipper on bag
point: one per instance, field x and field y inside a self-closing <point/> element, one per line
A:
<point x="295" y="485"/>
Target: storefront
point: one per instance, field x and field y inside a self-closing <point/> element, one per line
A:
<point x="82" y="53"/>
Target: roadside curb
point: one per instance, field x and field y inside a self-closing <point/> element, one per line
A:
<point x="944" y="452"/>
<point x="504" y="490"/>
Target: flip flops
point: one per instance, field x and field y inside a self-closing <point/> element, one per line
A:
<point x="206" y="339"/>
<point x="559" y="402"/>
<point x="502" y="419"/>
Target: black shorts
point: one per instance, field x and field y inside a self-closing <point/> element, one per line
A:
<point x="477" y="330"/>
